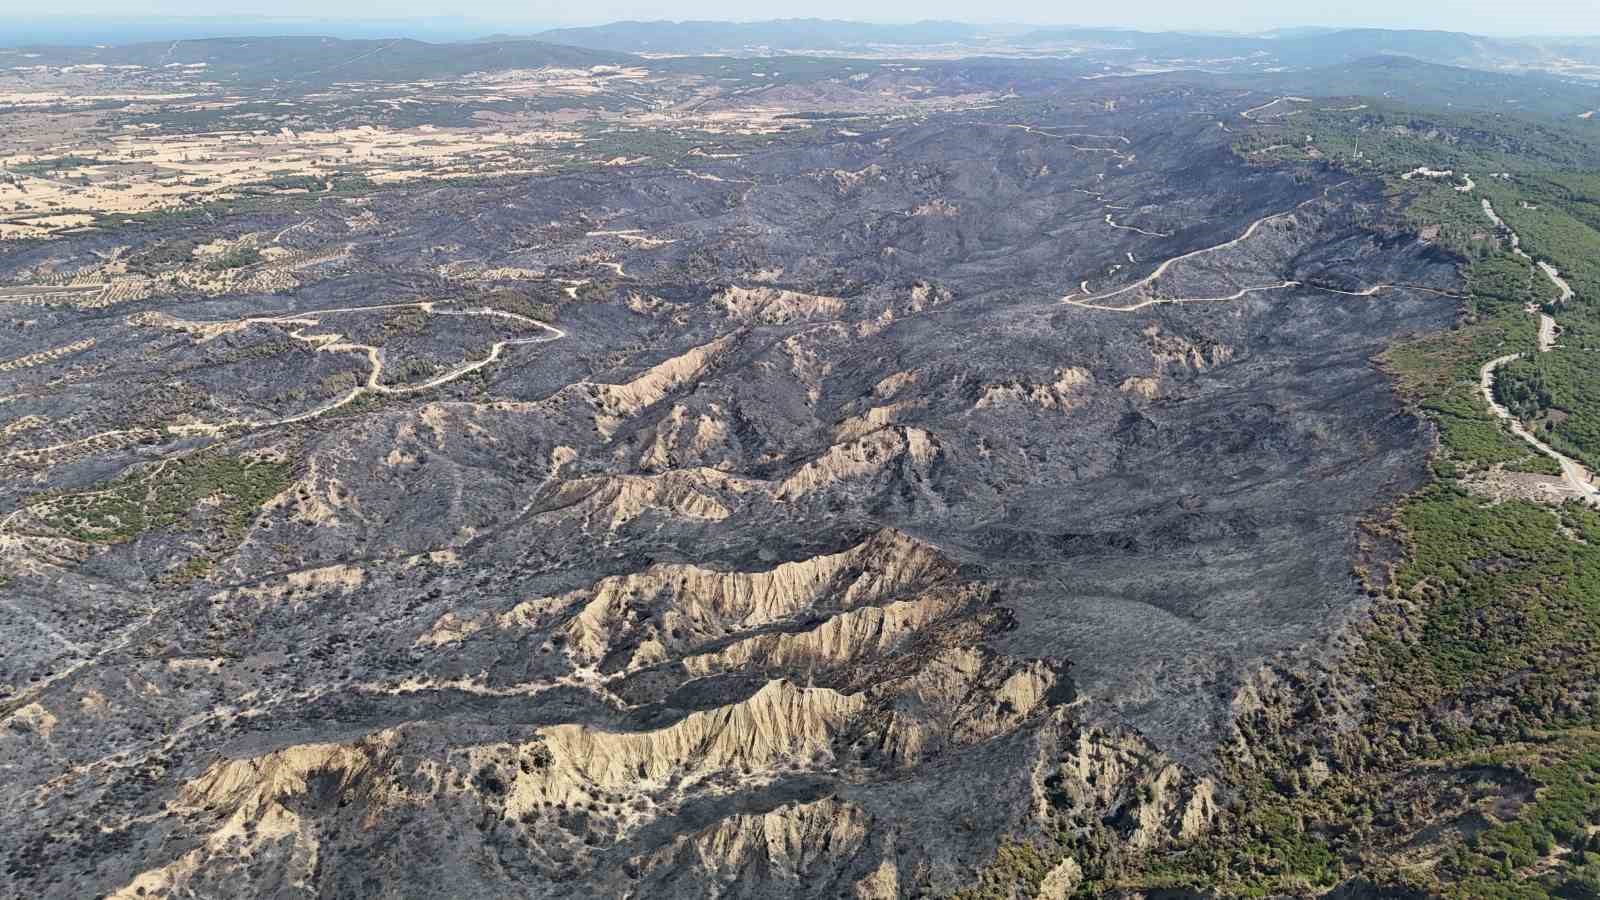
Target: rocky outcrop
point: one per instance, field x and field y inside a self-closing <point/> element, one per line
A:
<point x="791" y="851"/>
<point x="839" y="641"/>
<point x="874" y="419"/>
<point x="864" y="456"/>
<point x="1156" y="801"/>
<point x="606" y="503"/>
<point x="962" y="696"/>
<point x="697" y="604"/>
<point x="1065" y="392"/>
<point x="775" y="306"/>
<point x="780" y="723"/>
<point x="616" y="403"/>
<point x="685" y="439"/>
<point x="252" y="801"/>
<point x="1172" y="351"/>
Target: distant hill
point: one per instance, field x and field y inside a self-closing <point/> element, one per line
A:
<point x="1301" y="48"/>
<point x="1415" y="82"/>
<point x="1433" y="46"/>
<point x="19" y="28"/>
<point x="322" y="60"/>
<point x="1292" y="48"/>
<point x="780" y="34"/>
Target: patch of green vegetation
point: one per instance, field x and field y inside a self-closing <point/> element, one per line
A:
<point x="161" y="256"/>
<point x="313" y="183"/>
<point x="411" y="370"/>
<point x="1505" y="283"/>
<point x="365" y="403"/>
<point x="1440" y="374"/>
<point x="57" y="164"/>
<point x="1543" y="180"/>
<point x="1558" y="394"/>
<point x="1447" y="216"/>
<point x="232" y="489"/>
<point x="521" y="303"/>
<point x="407" y="320"/>
<point x="1018" y="869"/>
<point x="212" y="211"/>
<point x="352" y="185"/>
<point x="1478" y="719"/>
<point x="234" y="258"/>
<point x="337" y="384"/>
<point x="1379" y="137"/>
<point x="1555" y="221"/>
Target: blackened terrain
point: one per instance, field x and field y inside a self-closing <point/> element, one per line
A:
<point x="865" y="500"/>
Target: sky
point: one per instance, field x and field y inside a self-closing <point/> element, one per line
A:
<point x="1480" y="16"/>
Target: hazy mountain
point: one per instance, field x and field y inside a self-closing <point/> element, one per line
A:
<point x="18" y="28"/>
<point x="326" y="59"/>
<point x="1300" y="48"/>
<point x="781" y="34"/>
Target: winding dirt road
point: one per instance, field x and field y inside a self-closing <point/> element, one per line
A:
<point x="323" y="342"/>
<point x="1162" y="268"/>
<point x="1115" y="224"/>
<point x="328" y="342"/>
<point x="1573" y="473"/>
<point x="1158" y="301"/>
<point x="1550" y="272"/>
<point x="1554" y="274"/>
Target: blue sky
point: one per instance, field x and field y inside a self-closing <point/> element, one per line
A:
<point x="1483" y="16"/>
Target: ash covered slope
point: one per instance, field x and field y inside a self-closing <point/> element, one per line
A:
<point x="875" y="499"/>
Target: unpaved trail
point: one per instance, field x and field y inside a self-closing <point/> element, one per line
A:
<point x="1573" y="473"/>
<point x="28" y="617"/>
<point x="354" y="59"/>
<point x="1250" y="113"/>
<point x="1550" y="272"/>
<point x="1547" y="332"/>
<point x="121" y="641"/>
<point x="1242" y="292"/>
<point x="1115" y="224"/>
<point x="1097" y="302"/>
<point x="278" y="238"/>
<point x="1516" y="240"/>
<point x="323" y="343"/>
<point x="1364" y="292"/>
<point x="1162" y="268"/>
<point x="1031" y="129"/>
<point x="1040" y="132"/>
<point x="1554" y="274"/>
<point x="113" y="434"/>
<point x="1158" y="301"/>
<point x="332" y="343"/>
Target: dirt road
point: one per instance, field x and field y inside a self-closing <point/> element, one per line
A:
<point x="1573" y="473"/>
<point x="327" y="342"/>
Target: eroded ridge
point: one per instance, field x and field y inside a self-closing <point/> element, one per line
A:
<point x="889" y="604"/>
